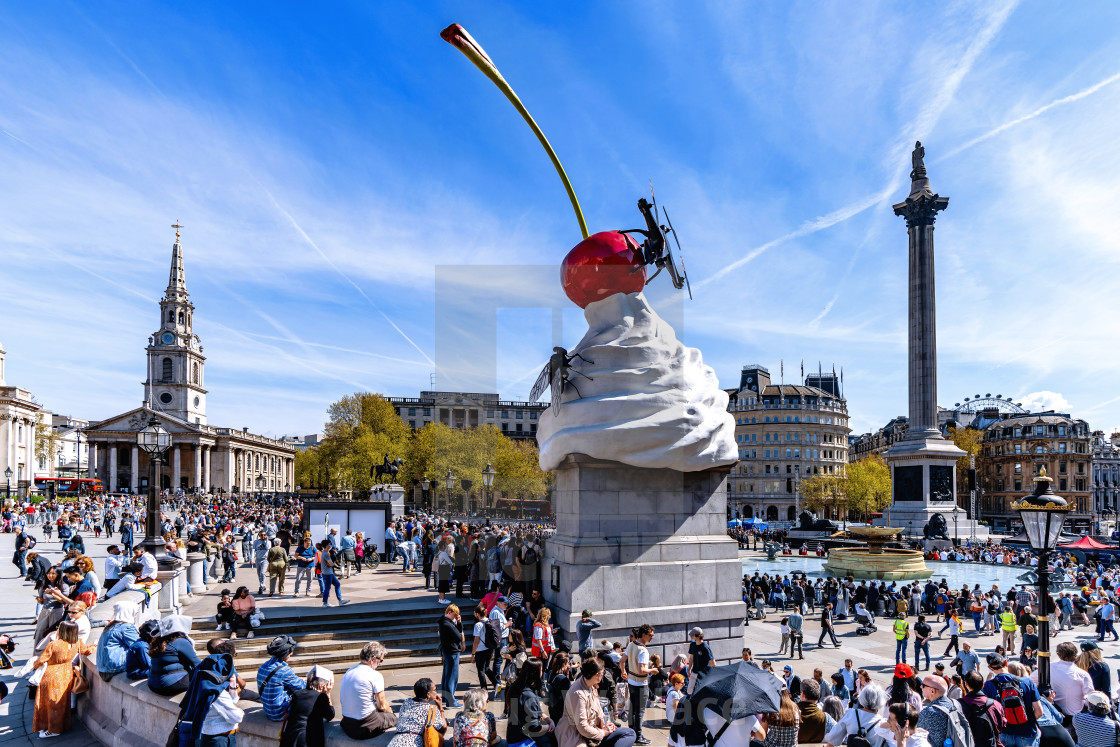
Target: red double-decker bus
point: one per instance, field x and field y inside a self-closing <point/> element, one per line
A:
<point x="69" y="485"/>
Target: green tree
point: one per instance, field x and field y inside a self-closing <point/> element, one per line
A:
<point x="868" y="486"/>
<point x="971" y="441"/>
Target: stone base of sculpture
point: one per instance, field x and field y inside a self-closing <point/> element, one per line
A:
<point x="924" y="479"/>
<point x="645" y="546"/>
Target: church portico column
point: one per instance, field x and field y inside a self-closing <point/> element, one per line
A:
<point x="204" y="484"/>
<point x="113" y="468"/>
<point x="134" y="471"/>
<point x="91" y="461"/>
<point x="196" y="478"/>
<point x="176" y="462"/>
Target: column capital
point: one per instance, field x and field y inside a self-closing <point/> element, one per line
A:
<point x="921" y="209"/>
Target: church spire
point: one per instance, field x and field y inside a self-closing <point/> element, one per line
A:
<point x="176" y="283"/>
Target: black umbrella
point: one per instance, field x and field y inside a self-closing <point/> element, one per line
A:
<point x="738" y="690"/>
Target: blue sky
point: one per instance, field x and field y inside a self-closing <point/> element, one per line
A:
<point x="330" y="161"/>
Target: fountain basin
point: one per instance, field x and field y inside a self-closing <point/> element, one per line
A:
<point x="886" y="564"/>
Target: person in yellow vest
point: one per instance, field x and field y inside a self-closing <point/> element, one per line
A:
<point x="901" y="638"/>
<point x="1008" y="627"/>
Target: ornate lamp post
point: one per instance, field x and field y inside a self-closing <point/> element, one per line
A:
<point x="424" y="485"/>
<point x="154" y="440"/>
<point x="1043" y="513"/>
<point x="449" y="482"/>
<point x="8" y="480"/>
<point x="488" y="483"/>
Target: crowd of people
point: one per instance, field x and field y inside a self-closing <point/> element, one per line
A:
<point x="551" y="687"/>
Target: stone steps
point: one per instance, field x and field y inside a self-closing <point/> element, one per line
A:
<point x="334" y="637"/>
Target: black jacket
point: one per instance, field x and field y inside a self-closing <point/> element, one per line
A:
<point x="450" y="635"/>
<point x="526" y="718"/>
<point x="307" y="715"/>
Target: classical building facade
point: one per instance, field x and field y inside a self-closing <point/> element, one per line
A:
<point x="19" y="412"/>
<point x="470" y="410"/>
<point x="1015" y="450"/>
<point x="786" y="434"/>
<point x="202" y="457"/>
<point x="1106" y="476"/>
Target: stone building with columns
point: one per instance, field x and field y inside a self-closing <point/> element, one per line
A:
<point x="203" y="458"/>
<point x="19" y="412"/>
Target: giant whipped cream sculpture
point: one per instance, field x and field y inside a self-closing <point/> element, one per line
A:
<point x="629" y="392"/>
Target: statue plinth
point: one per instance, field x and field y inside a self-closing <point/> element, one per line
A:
<point x="642" y="545"/>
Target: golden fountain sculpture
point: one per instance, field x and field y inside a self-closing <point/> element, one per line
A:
<point x="876" y="561"/>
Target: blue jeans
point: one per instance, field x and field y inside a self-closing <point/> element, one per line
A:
<point x="919" y="647"/>
<point x="976" y="619"/>
<point x="900" y="650"/>
<point x="450" y="680"/>
<point x="218" y="740"/>
<point x="328" y="580"/>
<point x="1107" y="626"/>
<point x="1010" y="740"/>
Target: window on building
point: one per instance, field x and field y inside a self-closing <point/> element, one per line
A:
<point x="1061" y="430"/>
<point x="412" y="424"/>
<point x="1062" y="447"/>
<point x="1081" y="468"/>
<point x="1081" y="486"/>
<point x="1062" y="483"/>
<point x="168" y="369"/>
<point x="180" y="317"/>
<point x="1061" y="467"/>
<point x="533" y="415"/>
<point x="489" y="413"/>
<point x="505" y="413"/>
<point x="1018" y="468"/>
<point x="1018" y="448"/>
<point x="519" y="427"/>
<point x="1018" y="485"/>
<point x="1038" y="450"/>
<point x="797" y="453"/>
<point x="412" y="411"/>
<point x="999" y="469"/>
<point x="520" y="415"/>
<point x="505" y="427"/>
<point x="532" y="427"/>
<point x="767" y="469"/>
<point x="427" y="412"/>
<point x="789" y="455"/>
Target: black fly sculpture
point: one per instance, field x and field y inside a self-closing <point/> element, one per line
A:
<point x="656" y="251"/>
<point x="557" y="374"/>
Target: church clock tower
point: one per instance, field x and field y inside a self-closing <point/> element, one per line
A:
<point x="175" y="360"/>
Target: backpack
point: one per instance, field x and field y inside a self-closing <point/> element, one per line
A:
<point x="494" y="561"/>
<point x="983" y="726"/>
<point x="492" y="634"/>
<point x="530" y="556"/>
<point x="956" y="726"/>
<point x="1013" y="702"/>
<point x="859" y="739"/>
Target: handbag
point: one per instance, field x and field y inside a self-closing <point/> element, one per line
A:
<point x="432" y="738"/>
<point x="81" y="682"/>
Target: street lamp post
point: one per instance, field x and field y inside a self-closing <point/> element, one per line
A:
<point x="488" y="484"/>
<point x="449" y="482"/>
<point x="1043" y="513"/>
<point x="154" y="440"/>
<point x="424" y="485"/>
<point x="8" y="481"/>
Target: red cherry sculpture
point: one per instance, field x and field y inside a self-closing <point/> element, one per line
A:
<point x="601" y="265"/>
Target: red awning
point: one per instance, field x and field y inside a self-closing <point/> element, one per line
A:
<point x="1086" y="543"/>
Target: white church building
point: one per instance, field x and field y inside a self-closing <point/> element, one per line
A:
<point x="202" y="457"/>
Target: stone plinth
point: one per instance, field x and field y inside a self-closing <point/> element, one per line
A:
<point x="170" y="591"/>
<point x="637" y="545"/>
<point x="924" y="483"/>
<point x="195" y="575"/>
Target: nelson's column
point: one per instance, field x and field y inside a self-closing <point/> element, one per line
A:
<point x="923" y="464"/>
